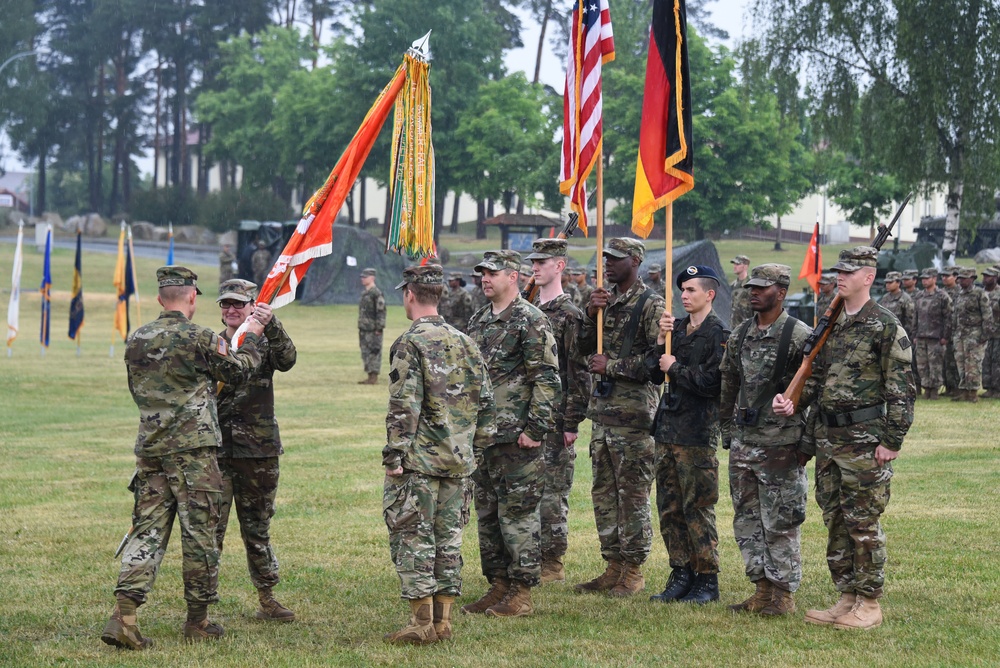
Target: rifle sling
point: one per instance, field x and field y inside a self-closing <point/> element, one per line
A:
<point x="769" y="389"/>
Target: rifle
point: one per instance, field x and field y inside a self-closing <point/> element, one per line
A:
<point x="818" y="338"/>
<point x="530" y="290"/>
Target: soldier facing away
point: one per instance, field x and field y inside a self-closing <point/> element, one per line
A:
<point x="520" y="352"/>
<point x="856" y="427"/>
<point x="260" y="263"/>
<point x="227" y="264"/>
<point x="172" y="367"/>
<point x="767" y="475"/>
<point x="251" y="445"/>
<point x="439" y="423"/>
<point x="741" y="296"/>
<point x="371" y="323"/>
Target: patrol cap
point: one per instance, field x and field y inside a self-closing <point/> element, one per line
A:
<point x="827" y="279"/>
<point x="854" y="259"/>
<point x="500" y="260"/>
<point x="654" y="269"/>
<point x="910" y="273"/>
<point x="456" y="276"/>
<point x="991" y="271"/>
<point x="967" y="272"/>
<point x="766" y="275"/>
<point x="526" y="270"/>
<point x="620" y="247"/>
<point x="176" y="275"/>
<point x="893" y="276"/>
<point x="368" y="271"/>
<point x="951" y="270"/>
<point x="740" y="259"/>
<point x="238" y="289"/>
<point x="929" y="272"/>
<point x="428" y="274"/>
<point x="697" y="271"/>
<point x="543" y="249"/>
<point x="577" y="271"/>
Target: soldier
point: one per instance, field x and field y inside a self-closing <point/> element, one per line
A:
<point x="898" y="302"/>
<point x="548" y="260"/>
<point x="687" y="431"/>
<point x="856" y="427"/>
<point x="741" y="296"/>
<point x="910" y="282"/>
<point x="991" y="359"/>
<point x="479" y="298"/>
<point x="440" y="420"/>
<point x="520" y="352"/>
<point x="910" y="287"/>
<point x="568" y="287"/>
<point x="931" y="332"/>
<point x="227" y="264"/>
<point x="251" y="445"/>
<point x="371" y="323"/>
<point x="525" y="276"/>
<point x="827" y="291"/>
<point x="583" y="288"/>
<point x="767" y="475"/>
<point x="457" y="303"/>
<point x="260" y="263"/>
<point x="972" y="327"/>
<point x="654" y="280"/>
<point x="949" y="284"/>
<point x="172" y="367"/>
<point x="622" y="407"/>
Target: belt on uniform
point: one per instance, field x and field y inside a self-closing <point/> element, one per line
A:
<point x="845" y="419"/>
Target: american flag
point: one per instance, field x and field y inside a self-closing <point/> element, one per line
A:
<point x="591" y="45"/>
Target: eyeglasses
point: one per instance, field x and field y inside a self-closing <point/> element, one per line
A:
<point x="228" y="304"/>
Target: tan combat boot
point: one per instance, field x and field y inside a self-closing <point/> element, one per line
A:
<point x="203" y="630"/>
<point x="553" y="571"/>
<point x="972" y="396"/>
<point x="830" y="615"/>
<point x="420" y="629"/>
<point x="498" y="589"/>
<point x="270" y="609"/>
<point x="782" y="603"/>
<point x="865" y="614"/>
<point x="371" y="380"/>
<point x="123" y="631"/>
<point x="516" y="602"/>
<point x="758" y="600"/>
<point x="630" y="581"/>
<point x="442" y="616"/>
<point x="604" y="581"/>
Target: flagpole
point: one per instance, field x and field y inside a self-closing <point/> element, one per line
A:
<point x="600" y="244"/>
<point x="135" y="278"/>
<point x="668" y="273"/>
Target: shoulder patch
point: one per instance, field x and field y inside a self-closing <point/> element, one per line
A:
<point x="394" y="376"/>
<point x="904" y="342"/>
<point x="221" y="347"/>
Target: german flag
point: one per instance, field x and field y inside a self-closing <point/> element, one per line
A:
<point x="665" y="169"/>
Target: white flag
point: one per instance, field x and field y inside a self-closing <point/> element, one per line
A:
<point x="13" y="309"/>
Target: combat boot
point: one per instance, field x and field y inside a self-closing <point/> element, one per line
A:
<point x="704" y="589"/>
<point x="371" y="380"/>
<point x="830" y="615"/>
<point x="972" y="396"/>
<point x="420" y="629"/>
<point x="203" y="630"/>
<point x="782" y="603"/>
<point x="678" y="585"/>
<point x="270" y="609"/>
<point x="604" y="581"/>
<point x="932" y="393"/>
<point x="498" y="589"/>
<point x="759" y="600"/>
<point x="866" y="613"/>
<point x="553" y="571"/>
<point x="516" y="602"/>
<point x="630" y="581"/>
<point x="442" y="616"/>
<point x="122" y="630"/>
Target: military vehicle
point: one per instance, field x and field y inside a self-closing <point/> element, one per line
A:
<point x="274" y="235"/>
<point x="970" y="241"/>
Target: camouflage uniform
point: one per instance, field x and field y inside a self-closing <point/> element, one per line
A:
<point x="226" y="261"/>
<point x="991" y="360"/>
<point x="521" y="357"/>
<point x="479" y="298"/>
<point x="741" y="302"/>
<point x="656" y="286"/>
<point x="248" y="456"/>
<point x="899" y="304"/>
<point x="371" y="323"/>
<point x="951" y="377"/>
<point x="933" y="323"/>
<point x="584" y="291"/>
<point x="260" y="264"/>
<point x="621" y="448"/>
<point x="865" y="399"/>
<point x="823" y="301"/>
<point x="440" y="421"/>
<point x="456" y="306"/>
<point x="767" y="485"/>
<point x="972" y="327"/>
<point x="173" y="365"/>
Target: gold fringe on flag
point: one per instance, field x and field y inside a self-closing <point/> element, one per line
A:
<point x="411" y="179"/>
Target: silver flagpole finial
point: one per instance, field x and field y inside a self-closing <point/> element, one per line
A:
<point x="420" y="49"/>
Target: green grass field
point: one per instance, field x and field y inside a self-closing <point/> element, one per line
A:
<point x="67" y="427"/>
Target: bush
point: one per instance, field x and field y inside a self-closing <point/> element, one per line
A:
<point x="218" y="211"/>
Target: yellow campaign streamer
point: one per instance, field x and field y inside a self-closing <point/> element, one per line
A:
<point x="411" y="179"/>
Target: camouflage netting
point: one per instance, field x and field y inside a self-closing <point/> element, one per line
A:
<point x="699" y="252"/>
<point x="331" y="280"/>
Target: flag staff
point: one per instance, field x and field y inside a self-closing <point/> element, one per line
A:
<point x="135" y="279"/>
<point x="668" y="269"/>
<point x="600" y="244"/>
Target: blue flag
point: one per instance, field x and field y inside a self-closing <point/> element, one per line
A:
<point x="76" y="304"/>
<point x="46" y="290"/>
<point x="170" y="251"/>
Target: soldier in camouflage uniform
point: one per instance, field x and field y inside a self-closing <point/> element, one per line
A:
<point x="569" y="288"/>
<point x="972" y="327"/>
<point x="456" y="305"/>
<point x="909" y="282"/>
<point x="827" y="291"/>
<point x="172" y="367"/>
<point x="479" y="298"/>
<point x="949" y="284"/>
<point x="227" y="263"/>
<point x="260" y="263"/>
<point x="548" y="259"/>
<point x="583" y="288"/>
<point x="439" y="423"/>
<point x="897" y="302"/>
<point x="521" y="357"/>
<point x="687" y="433"/>
<point x="856" y="426"/>
<point x="991" y="360"/>
<point x="767" y="475"/>
<point x="622" y="408"/>
<point x="931" y="332"/>
<point x="248" y="456"/>
<point x="371" y="323"/>
<point x="654" y="280"/>
<point x="741" y="296"/>
<point x="909" y="286"/>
